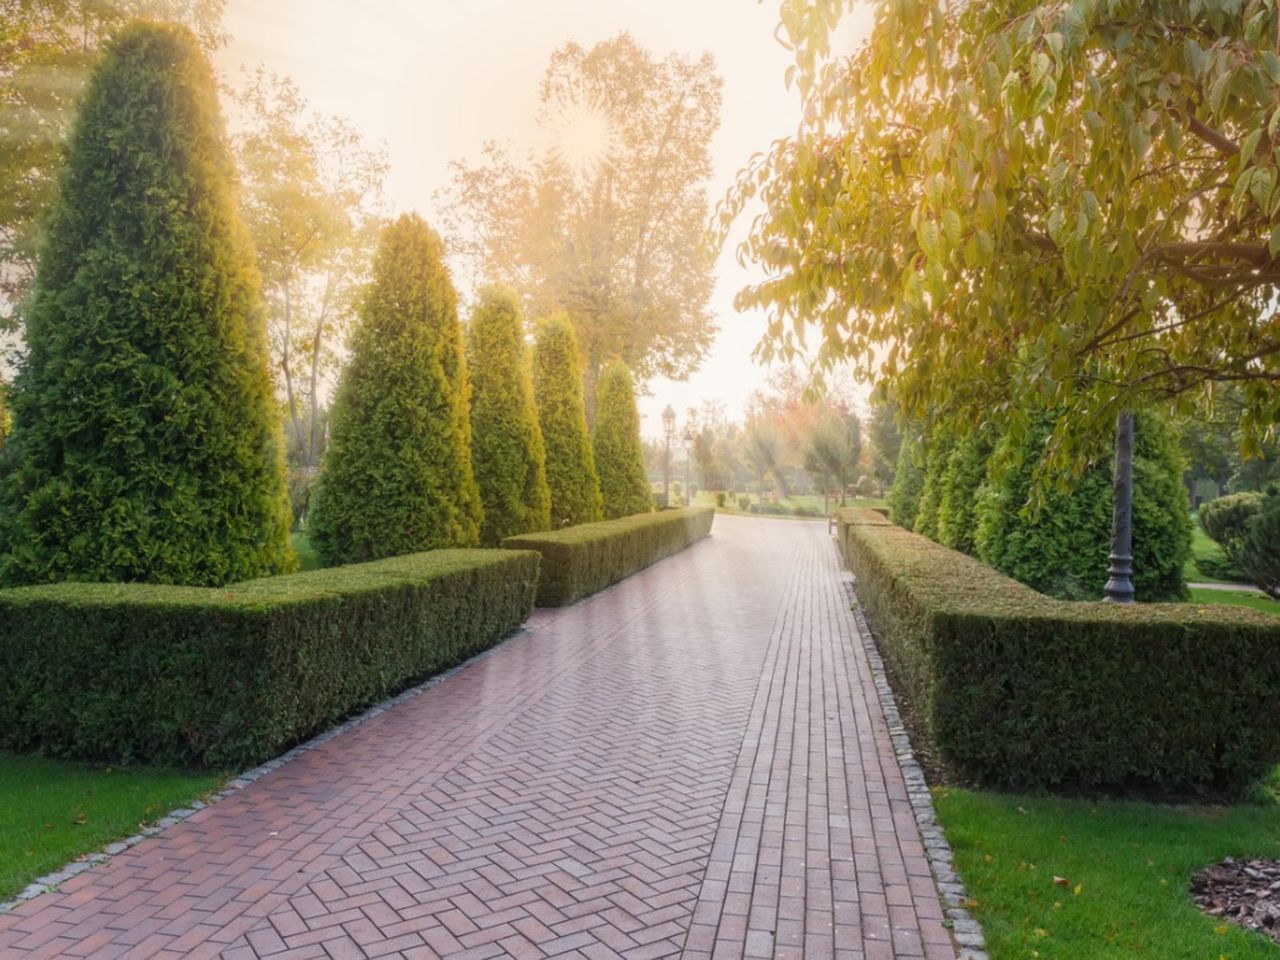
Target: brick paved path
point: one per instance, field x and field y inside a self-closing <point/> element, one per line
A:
<point x="693" y="763"/>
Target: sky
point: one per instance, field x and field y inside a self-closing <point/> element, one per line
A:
<point x="434" y="80"/>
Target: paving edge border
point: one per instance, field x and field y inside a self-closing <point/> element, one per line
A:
<point x="966" y="930"/>
<point x="50" y="882"/>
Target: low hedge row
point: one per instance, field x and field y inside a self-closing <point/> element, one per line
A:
<point x="1015" y="689"/>
<point x="228" y="677"/>
<point x="578" y="561"/>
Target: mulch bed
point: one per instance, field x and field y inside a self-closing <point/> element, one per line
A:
<point x="1245" y="892"/>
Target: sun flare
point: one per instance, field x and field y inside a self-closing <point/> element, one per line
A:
<point x="581" y="135"/>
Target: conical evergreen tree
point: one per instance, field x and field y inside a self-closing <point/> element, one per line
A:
<point x="624" y="481"/>
<point x="398" y="478"/>
<point x="506" y="441"/>
<point x="146" y="444"/>
<point x="908" y="481"/>
<point x="557" y="388"/>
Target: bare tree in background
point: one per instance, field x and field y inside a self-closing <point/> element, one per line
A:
<point x="609" y="221"/>
<point x="312" y="199"/>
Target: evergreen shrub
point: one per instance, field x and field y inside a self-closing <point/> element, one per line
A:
<point x="937" y="456"/>
<point x="1061" y="549"/>
<point x="145" y="445"/>
<point x="507" y="452"/>
<point x="1247" y="527"/>
<point x="616" y="445"/>
<point x="557" y="390"/>
<point x="908" y="482"/>
<point x="965" y="472"/>
<point x="397" y="477"/>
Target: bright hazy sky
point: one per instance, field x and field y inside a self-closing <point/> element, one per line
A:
<point x="434" y="80"/>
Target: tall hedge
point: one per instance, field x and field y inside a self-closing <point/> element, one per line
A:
<point x="145" y="443"/>
<point x="397" y="478"/>
<point x="958" y="505"/>
<point x="908" y="482"/>
<point x="557" y="388"/>
<point x="507" y="452"/>
<point x="937" y="456"/>
<point x="624" y="478"/>
<point x="1018" y="690"/>
<point x="1061" y="549"/>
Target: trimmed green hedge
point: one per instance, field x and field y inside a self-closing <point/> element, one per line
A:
<point x="1019" y="690"/>
<point x="578" y="561"/>
<point x="228" y="677"/>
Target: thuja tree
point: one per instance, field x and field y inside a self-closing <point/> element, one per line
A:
<point x="146" y="444"/>
<point x="1059" y="545"/>
<point x="965" y="472"/>
<point x="908" y="481"/>
<point x="624" y="479"/>
<point x="938" y="449"/>
<point x="397" y="478"/>
<point x="557" y="389"/>
<point x="506" y="442"/>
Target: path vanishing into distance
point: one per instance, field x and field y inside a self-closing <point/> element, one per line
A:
<point x="692" y="763"/>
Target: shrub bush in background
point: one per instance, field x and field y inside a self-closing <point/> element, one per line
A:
<point x="721" y="499"/>
<point x="1062" y="548"/>
<point x="1247" y="527"/>
<point x="1226" y="521"/>
<point x="1019" y="690"/>
<point x="937" y="456"/>
<point x="230" y="677"/>
<point x="744" y="502"/>
<point x="615" y="443"/>
<point x="965" y="473"/>
<point x="146" y="444"/>
<point x="580" y="561"/>
<point x="866" y="488"/>
<point x="506" y="442"/>
<point x="397" y="478"/>
<point x="908" y="482"/>
<point x="1261" y="556"/>
<point x="557" y="390"/>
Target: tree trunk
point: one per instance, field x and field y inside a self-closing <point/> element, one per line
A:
<point x="1119" y="588"/>
<point x="313" y="452"/>
<point x="286" y="360"/>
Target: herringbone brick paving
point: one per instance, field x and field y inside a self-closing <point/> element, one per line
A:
<point x="693" y="763"/>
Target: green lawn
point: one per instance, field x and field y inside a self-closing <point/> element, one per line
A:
<point x="1236" y="599"/>
<point x="52" y="812"/>
<point x="1126" y="868"/>
<point x="307" y="559"/>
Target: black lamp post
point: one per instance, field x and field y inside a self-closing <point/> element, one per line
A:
<point x="668" y="431"/>
<point x="1119" y="588"/>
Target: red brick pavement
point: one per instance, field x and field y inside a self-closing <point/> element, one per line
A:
<point x="692" y="763"/>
